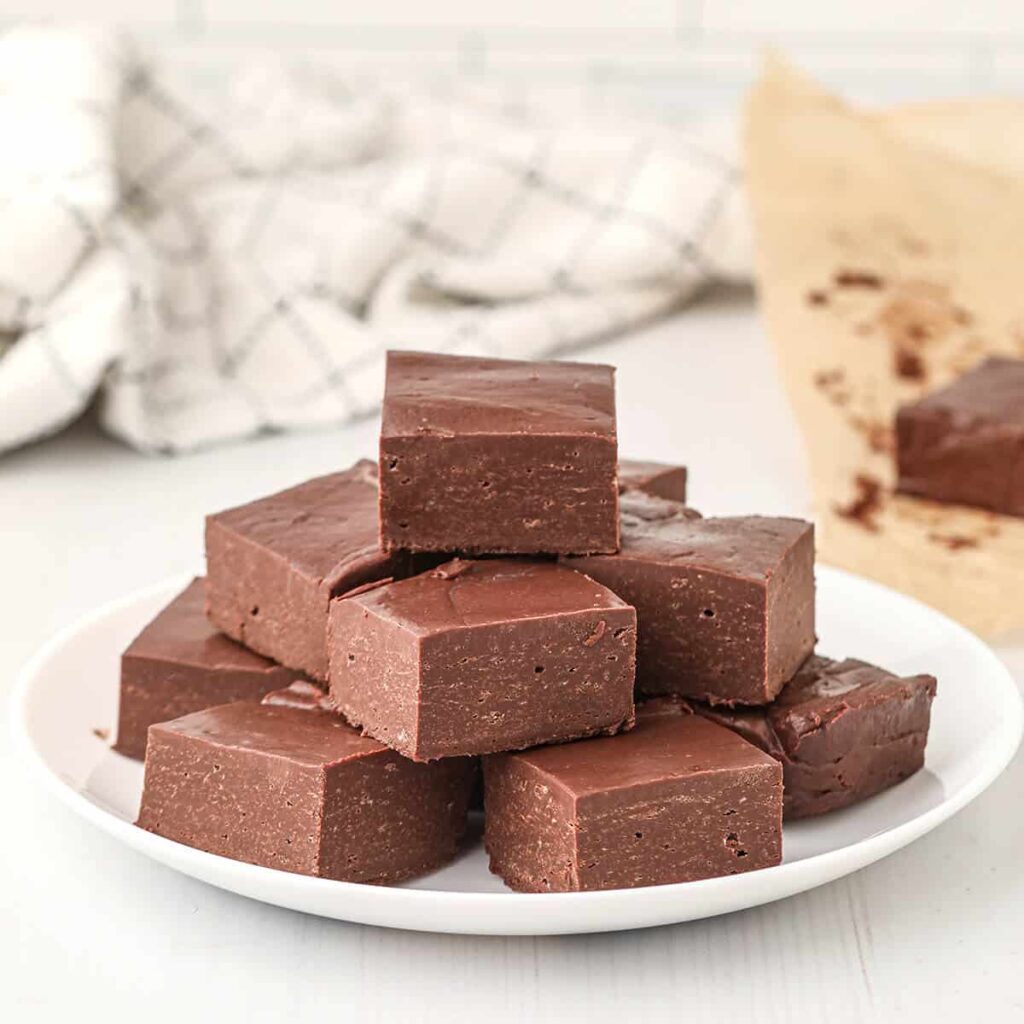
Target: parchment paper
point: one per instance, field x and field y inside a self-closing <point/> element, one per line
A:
<point x="890" y="258"/>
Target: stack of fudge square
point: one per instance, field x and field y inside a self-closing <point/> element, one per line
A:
<point x="503" y="614"/>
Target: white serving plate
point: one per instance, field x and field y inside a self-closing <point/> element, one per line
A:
<point x="65" y="705"/>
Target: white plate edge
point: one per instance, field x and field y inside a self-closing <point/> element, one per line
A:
<point x="821" y="868"/>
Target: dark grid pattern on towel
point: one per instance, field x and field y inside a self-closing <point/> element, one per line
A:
<point x="248" y="257"/>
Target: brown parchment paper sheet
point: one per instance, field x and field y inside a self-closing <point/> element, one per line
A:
<point x="890" y="259"/>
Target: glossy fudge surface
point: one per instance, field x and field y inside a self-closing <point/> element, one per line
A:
<point x="289" y="785"/>
<point x="300" y="694"/>
<point x="843" y="731"/>
<point x="478" y="656"/>
<point x="494" y="456"/>
<point x="179" y="664"/>
<point x="274" y="564"/>
<point x="657" y="479"/>
<point x="674" y="800"/>
<point x="965" y="442"/>
<point x="725" y="606"/>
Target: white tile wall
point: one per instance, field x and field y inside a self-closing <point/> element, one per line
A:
<point x="871" y="17"/>
<point x="682" y="55"/>
<point x="533" y="14"/>
<point x="148" y="12"/>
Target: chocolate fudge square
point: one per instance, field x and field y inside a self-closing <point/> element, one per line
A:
<point x="494" y="456"/>
<point x="676" y="799"/>
<point x="478" y="656"/>
<point x="965" y="442"/>
<point x="658" y="479"/>
<point x="273" y="565"/>
<point x="178" y="664"/>
<point x="288" y="784"/>
<point x="842" y="730"/>
<point x="725" y="607"/>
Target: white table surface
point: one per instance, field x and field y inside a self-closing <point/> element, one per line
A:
<point x="934" y="933"/>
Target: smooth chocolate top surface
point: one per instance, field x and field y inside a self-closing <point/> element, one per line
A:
<point x="661" y="748"/>
<point x="182" y="634"/>
<point x="822" y="680"/>
<point x="324" y="527"/>
<point x="464" y="593"/>
<point x="824" y="690"/>
<point x="993" y="392"/>
<point x="635" y="474"/>
<point x="821" y="692"/>
<point x="647" y="513"/>
<point x="745" y="546"/>
<point x="446" y="396"/>
<point x="299" y="734"/>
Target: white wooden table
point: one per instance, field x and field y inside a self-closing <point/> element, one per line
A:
<point x="934" y="933"/>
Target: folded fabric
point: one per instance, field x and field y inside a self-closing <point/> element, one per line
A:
<point x="221" y="263"/>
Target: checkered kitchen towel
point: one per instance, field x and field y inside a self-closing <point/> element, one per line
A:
<point x="223" y="264"/>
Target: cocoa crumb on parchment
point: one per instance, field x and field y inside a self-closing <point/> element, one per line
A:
<point x="817" y="297"/>
<point x="993" y="524"/>
<point x="858" y="279"/>
<point x="831" y="384"/>
<point x="909" y="365"/>
<point x="866" y="503"/>
<point x="881" y="439"/>
<point x="953" y="541"/>
<point x="879" y="436"/>
<point x="101" y="734"/>
<point x="914" y="246"/>
<point x="824" y="379"/>
<point x="918" y="314"/>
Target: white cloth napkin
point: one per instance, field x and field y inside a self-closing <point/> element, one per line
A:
<point x="223" y="263"/>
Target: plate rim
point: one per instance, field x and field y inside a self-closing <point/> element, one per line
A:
<point x="409" y="908"/>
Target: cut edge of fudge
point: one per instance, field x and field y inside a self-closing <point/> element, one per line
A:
<point x="465" y="467"/>
<point x="178" y="663"/>
<point x="270" y="578"/>
<point x="398" y="651"/>
<point x="825" y="731"/>
<point x="963" y="444"/>
<point x="679" y="569"/>
<point x="317" y="797"/>
<point x="792" y="613"/>
<point x="658" y="479"/>
<point x="548" y="828"/>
